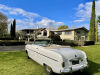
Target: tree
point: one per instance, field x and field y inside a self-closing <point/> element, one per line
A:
<point x="62" y="27"/>
<point x="98" y="20"/>
<point x="96" y="32"/>
<point x="97" y="23"/>
<point x="3" y="24"/>
<point x="92" y="23"/>
<point x="20" y="34"/>
<point x="13" y="29"/>
<point x="54" y="37"/>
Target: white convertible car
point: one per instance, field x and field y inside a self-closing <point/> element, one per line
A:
<point x="56" y="58"/>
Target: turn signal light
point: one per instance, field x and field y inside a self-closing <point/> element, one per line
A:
<point x="63" y="64"/>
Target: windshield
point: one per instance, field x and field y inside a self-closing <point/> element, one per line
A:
<point x="42" y="42"/>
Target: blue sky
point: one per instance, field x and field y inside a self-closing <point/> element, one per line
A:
<point x="48" y="13"/>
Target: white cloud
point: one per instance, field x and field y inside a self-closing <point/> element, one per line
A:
<point x="48" y="22"/>
<point x="79" y="20"/>
<point x="85" y="25"/>
<point x="84" y="10"/>
<point x="51" y="24"/>
<point x="81" y="6"/>
<point x="18" y="11"/>
<point x="27" y="19"/>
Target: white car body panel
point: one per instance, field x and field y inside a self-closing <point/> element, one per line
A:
<point x="54" y="57"/>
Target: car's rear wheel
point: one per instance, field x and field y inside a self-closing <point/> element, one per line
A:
<point x="27" y="54"/>
<point x="48" y="70"/>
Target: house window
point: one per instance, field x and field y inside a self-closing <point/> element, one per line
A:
<point x="68" y="33"/>
<point x="78" y="32"/>
<point x="45" y="33"/>
<point x="39" y="33"/>
<point x="59" y="33"/>
<point x="31" y="32"/>
<point x="27" y="31"/>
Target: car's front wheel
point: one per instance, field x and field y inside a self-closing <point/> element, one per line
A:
<point x="27" y="54"/>
<point x="48" y="70"/>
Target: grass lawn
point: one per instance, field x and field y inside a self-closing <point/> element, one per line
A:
<point x="16" y="63"/>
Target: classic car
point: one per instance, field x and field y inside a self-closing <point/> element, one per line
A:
<point x="56" y="58"/>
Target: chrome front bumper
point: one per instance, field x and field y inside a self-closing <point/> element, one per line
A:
<point x="74" y="68"/>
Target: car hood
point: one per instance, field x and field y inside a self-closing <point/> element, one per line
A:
<point x="69" y="53"/>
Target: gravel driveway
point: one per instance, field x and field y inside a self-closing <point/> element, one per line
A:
<point x="12" y="48"/>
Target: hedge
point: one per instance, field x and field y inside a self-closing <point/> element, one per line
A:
<point x="71" y="43"/>
<point x="74" y="43"/>
<point x="89" y="43"/>
<point x="11" y="42"/>
<point x="64" y="42"/>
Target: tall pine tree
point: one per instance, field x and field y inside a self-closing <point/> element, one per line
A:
<point x="11" y="30"/>
<point x="96" y="32"/>
<point x="14" y="28"/>
<point x="92" y="23"/>
<point x="97" y="23"/>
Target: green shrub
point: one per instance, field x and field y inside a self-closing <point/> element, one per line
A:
<point x="74" y="43"/>
<point x="11" y="42"/>
<point x="71" y="43"/>
<point x="89" y="43"/>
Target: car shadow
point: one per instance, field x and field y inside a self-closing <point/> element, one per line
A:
<point x="93" y="68"/>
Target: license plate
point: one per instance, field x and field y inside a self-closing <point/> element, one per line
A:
<point x="74" y="62"/>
